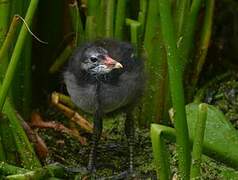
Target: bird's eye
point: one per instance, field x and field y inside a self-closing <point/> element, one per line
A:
<point x="93" y="59"/>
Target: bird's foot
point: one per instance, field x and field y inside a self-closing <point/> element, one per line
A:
<point x="90" y="173"/>
<point x="132" y="174"/>
<point x="123" y="175"/>
<point x="91" y="168"/>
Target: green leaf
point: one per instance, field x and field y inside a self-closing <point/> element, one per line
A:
<point x="220" y="139"/>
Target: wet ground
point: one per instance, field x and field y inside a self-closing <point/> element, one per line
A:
<point x="112" y="156"/>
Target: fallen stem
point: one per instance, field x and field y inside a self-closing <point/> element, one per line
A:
<point x="37" y="122"/>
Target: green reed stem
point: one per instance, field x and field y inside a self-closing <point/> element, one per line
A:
<point x="198" y="141"/>
<point x="155" y="66"/>
<point x="181" y="14"/>
<point x="203" y="44"/>
<point x="63" y="57"/>
<point x="134" y="29"/>
<point x="120" y="19"/>
<point x="142" y="17"/>
<point x="76" y="22"/>
<point x="176" y="88"/>
<point x="90" y="32"/>
<point x="4" y="19"/>
<point x="16" y="53"/>
<point x="185" y="41"/>
<point x="110" y="18"/>
<point x="9" y="38"/>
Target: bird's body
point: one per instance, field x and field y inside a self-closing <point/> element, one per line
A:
<point x="118" y="88"/>
<point x="101" y="77"/>
<point x="112" y="97"/>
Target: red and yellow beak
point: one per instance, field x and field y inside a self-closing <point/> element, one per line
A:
<point x="111" y="63"/>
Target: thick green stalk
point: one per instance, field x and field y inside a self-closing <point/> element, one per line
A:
<point x="16" y="53"/>
<point x="120" y="19"/>
<point x="176" y="89"/>
<point x="156" y="68"/>
<point x="203" y="45"/>
<point x="20" y="90"/>
<point x="92" y="20"/>
<point x="182" y="11"/>
<point x="4" y="23"/>
<point x="90" y="33"/>
<point x="198" y="141"/>
<point x="101" y="18"/>
<point x="93" y="7"/>
<point x="185" y="41"/>
<point x="109" y="25"/>
<point x="4" y="16"/>
<point x="76" y="22"/>
<point x="160" y="152"/>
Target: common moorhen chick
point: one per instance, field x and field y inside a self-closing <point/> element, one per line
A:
<point x="102" y="77"/>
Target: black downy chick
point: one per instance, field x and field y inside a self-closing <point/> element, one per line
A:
<point x="101" y="77"/>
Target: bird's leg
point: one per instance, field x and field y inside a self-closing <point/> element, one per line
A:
<point x="129" y="130"/>
<point x="97" y="130"/>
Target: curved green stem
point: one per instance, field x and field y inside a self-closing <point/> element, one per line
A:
<point x="159" y="151"/>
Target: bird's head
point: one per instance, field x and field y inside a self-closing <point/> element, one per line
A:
<point x="96" y="61"/>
